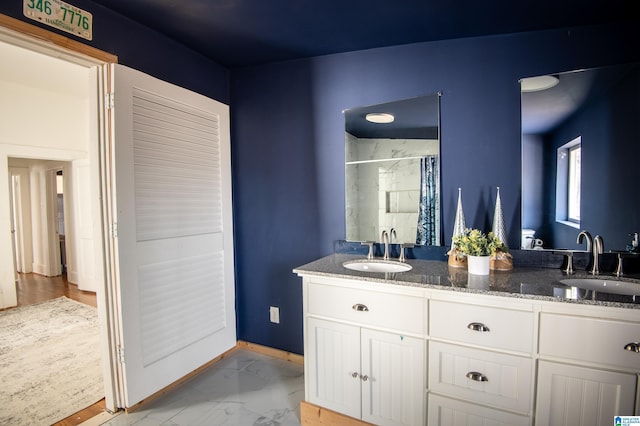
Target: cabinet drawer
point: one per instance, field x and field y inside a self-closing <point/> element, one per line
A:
<point x="385" y="310"/>
<point x="499" y="380"/>
<point x="479" y="325"/>
<point x="599" y="341"/>
<point x="446" y="411"/>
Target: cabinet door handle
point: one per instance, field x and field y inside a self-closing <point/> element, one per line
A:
<point x="360" y="307"/>
<point x="478" y="326"/>
<point x="364" y="378"/>
<point x="477" y="377"/>
<point x="632" y="347"/>
<point x="354" y="375"/>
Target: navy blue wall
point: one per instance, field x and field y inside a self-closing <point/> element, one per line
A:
<point x="609" y="128"/>
<point x="533" y="189"/>
<point x="140" y="48"/>
<point x="288" y="146"/>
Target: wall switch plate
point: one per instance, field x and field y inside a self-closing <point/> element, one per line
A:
<point x="274" y="314"/>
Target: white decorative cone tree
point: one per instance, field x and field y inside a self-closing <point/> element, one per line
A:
<point x="456" y="260"/>
<point x="458" y="224"/>
<point x="499" y="230"/>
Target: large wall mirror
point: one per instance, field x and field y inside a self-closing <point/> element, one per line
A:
<point x="393" y="171"/>
<point x="599" y="111"/>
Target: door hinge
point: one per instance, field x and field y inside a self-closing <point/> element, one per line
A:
<point x="120" y="354"/>
<point x="108" y="100"/>
<point x="114" y="229"/>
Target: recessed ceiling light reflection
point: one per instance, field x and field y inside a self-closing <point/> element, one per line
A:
<point x="380" y="117"/>
<point x="535" y="84"/>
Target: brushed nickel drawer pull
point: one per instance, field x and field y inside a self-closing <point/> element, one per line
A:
<point x="354" y="375"/>
<point x="360" y="307"/>
<point x="478" y="377"/>
<point x="478" y="326"/>
<point x="364" y="378"/>
<point x="632" y="347"/>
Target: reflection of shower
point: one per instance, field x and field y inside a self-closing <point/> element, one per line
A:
<point x="398" y="196"/>
<point x="428" y="216"/>
<point x="383" y="186"/>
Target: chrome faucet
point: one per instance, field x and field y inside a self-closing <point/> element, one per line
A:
<point x="598" y="249"/>
<point x="593" y="264"/>
<point x="384" y="239"/>
<point x="587" y="235"/>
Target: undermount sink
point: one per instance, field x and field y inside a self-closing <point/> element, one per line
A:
<point x="604" y="285"/>
<point x="372" y="265"/>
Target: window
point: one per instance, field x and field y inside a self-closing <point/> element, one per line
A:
<point x="573" y="184"/>
<point x="568" y="179"/>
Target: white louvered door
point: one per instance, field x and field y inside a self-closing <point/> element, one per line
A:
<point x="174" y="238"/>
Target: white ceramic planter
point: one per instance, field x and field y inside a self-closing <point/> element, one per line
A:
<point x="478" y="265"/>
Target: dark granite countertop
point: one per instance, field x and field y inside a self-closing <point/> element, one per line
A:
<point x="523" y="282"/>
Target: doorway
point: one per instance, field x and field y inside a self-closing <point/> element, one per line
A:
<point x="134" y="318"/>
<point x="57" y="118"/>
<point x="43" y="235"/>
<point x="42" y="194"/>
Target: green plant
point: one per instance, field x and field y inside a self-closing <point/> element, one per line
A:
<point x="473" y="242"/>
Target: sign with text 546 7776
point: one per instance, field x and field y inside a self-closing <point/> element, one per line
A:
<point x="60" y="15"/>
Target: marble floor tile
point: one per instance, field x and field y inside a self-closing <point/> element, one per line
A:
<point x="245" y="388"/>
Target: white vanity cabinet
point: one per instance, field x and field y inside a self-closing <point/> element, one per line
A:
<point x="585" y="374"/>
<point x="480" y="353"/>
<point x="365" y="352"/>
<point x="393" y="354"/>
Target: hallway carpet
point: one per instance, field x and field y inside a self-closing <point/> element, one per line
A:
<point x="46" y="350"/>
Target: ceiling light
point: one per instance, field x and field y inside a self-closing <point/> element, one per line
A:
<point x="380" y="117"/>
<point x="535" y="84"/>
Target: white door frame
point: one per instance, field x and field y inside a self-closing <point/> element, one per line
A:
<point x="50" y="224"/>
<point x="21" y="34"/>
<point x="14" y="187"/>
<point x="21" y="221"/>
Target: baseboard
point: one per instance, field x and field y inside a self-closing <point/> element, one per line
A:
<point x="314" y="415"/>
<point x="272" y="352"/>
<point x="39" y="269"/>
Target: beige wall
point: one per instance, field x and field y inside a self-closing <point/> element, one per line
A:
<point x="45" y="113"/>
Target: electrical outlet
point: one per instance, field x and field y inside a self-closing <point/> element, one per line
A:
<point x="274" y="314"/>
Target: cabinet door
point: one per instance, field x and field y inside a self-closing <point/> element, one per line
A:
<point x="394" y="367"/>
<point x="571" y="395"/>
<point x="333" y="371"/>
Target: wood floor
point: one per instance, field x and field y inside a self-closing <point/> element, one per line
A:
<point x="33" y="288"/>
